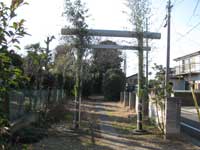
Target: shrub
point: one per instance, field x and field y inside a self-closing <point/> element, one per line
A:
<point x="86" y="89"/>
<point x="113" y="83"/>
<point x="56" y="113"/>
<point x="29" y="134"/>
<point x="27" y="106"/>
<point x="4" y="132"/>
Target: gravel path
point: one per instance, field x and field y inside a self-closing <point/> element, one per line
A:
<point x="106" y="126"/>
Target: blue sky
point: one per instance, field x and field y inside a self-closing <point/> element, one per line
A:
<point x="44" y="19"/>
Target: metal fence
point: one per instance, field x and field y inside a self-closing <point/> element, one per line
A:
<point x="187" y="68"/>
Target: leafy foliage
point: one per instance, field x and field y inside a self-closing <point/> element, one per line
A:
<point x="139" y="9"/>
<point x="11" y="30"/>
<point x="4" y="131"/>
<point x="158" y="86"/>
<point x="103" y="60"/>
<point x="64" y="60"/>
<point x="11" y="73"/>
<point x="10" y="33"/>
<point x="113" y="83"/>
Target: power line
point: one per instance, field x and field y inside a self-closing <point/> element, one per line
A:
<point x="189" y="31"/>
<point x="197" y="43"/>
<point x="194" y="10"/>
<point x="196" y="7"/>
<point x="177" y="3"/>
<point x="180" y="35"/>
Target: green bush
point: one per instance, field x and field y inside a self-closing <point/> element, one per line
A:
<point x="29" y="134"/>
<point x="27" y="106"/>
<point x="113" y="84"/>
<point x="4" y="131"/>
<point x="87" y="88"/>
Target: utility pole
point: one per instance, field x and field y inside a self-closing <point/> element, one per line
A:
<point x="169" y="7"/>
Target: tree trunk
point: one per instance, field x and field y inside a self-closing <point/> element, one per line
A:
<point x="158" y="118"/>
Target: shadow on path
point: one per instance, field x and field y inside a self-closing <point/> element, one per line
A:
<point x="115" y="129"/>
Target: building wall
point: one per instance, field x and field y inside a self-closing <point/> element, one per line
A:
<point x="187" y="65"/>
<point x="184" y="84"/>
<point x="194" y="79"/>
<point x="178" y="84"/>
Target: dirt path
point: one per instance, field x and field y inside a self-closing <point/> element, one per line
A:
<point x="107" y="126"/>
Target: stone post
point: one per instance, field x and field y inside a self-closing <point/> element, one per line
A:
<point x="132" y="99"/>
<point x="126" y="100"/>
<point x="121" y="97"/>
<point x="173" y="116"/>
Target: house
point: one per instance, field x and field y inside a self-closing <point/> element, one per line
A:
<point x="132" y="81"/>
<point x="187" y="72"/>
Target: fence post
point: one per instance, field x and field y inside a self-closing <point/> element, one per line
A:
<point x="121" y="97"/>
<point x="126" y="100"/>
<point x="132" y="100"/>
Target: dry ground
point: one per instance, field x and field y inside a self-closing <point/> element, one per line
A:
<point x="107" y="126"/>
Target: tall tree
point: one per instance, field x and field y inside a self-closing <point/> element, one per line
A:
<point x="76" y="14"/>
<point x="48" y="52"/>
<point x="34" y="64"/>
<point x="37" y="65"/>
<point x="139" y="10"/>
<point x="103" y="60"/>
<point x="64" y="60"/>
<point x="64" y="68"/>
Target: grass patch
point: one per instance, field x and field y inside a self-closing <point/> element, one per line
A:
<point x="87" y="142"/>
<point x="69" y="117"/>
<point x="131" y="124"/>
<point x="110" y="113"/>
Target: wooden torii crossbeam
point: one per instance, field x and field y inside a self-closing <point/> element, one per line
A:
<point x="112" y="33"/>
<point x="140" y="48"/>
<point x="121" y="47"/>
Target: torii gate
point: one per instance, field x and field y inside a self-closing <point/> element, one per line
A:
<point x="140" y="48"/>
